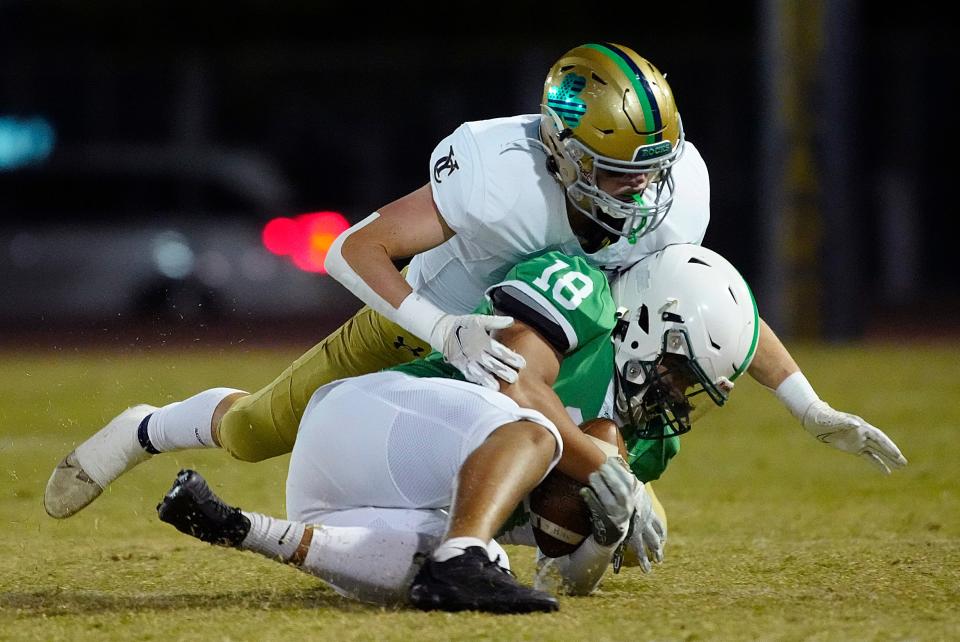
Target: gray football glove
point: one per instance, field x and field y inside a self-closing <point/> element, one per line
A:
<point x="611" y="498"/>
<point x="648" y="534"/>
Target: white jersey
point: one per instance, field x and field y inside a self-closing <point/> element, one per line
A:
<point x="491" y="185"/>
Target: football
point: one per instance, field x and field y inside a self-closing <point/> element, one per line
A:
<point x="560" y="517"/>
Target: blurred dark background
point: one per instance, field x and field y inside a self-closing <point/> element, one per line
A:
<point x="144" y="147"/>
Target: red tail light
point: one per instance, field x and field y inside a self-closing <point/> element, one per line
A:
<point x="305" y="238"/>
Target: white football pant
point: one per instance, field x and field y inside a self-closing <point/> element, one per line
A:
<point x="374" y="466"/>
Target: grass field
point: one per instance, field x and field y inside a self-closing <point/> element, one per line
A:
<point x="772" y="535"/>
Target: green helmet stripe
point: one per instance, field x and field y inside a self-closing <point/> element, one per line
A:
<point x="756" y="336"/>
<point x="648" y="103"/>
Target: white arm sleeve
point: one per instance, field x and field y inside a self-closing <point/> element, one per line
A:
<point x="415" y="313"/>
<point x="576" y="574"/>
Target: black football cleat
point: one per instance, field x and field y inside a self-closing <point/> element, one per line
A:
<point x="192" y="508"/>
<point x="471" y="582"/>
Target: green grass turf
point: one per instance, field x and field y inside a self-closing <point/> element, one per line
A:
<point x="772" y="535"/>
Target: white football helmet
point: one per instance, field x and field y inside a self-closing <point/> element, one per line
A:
<point x="688" y="325"/>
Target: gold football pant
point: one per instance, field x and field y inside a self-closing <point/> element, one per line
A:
<point x="264" y="424"/>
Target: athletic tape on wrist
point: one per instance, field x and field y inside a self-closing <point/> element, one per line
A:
<point x="796" y="393"/>
<point x="415" y="314"/>
<point x="420" y="317"/>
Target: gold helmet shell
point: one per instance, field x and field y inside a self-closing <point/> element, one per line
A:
<point x="607" y="108"/>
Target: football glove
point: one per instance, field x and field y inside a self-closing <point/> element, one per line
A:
<point x="648" y="534"/>
<point x="611" y="498"/>
<point x="466" y="344"/>
<point x="852" y="434"/>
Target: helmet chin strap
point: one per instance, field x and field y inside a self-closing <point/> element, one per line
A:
<point x="625" y="404"/>
<point x="593" y="212"/>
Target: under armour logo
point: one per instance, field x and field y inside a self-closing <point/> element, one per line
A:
<point x="400" y="344"/>
<point x="448" y="163"/>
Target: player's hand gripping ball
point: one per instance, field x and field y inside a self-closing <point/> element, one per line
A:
<point x="561" y="519"/>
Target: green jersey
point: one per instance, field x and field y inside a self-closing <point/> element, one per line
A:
<point x="568" y="302"/>
<point x="648" y="458"/>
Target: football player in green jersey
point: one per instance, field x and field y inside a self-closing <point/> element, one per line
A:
<point x="413" y="426"/>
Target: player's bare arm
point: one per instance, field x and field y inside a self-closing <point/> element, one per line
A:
<point x="533" y="389"/>
<point x="407" y="226"/>
<point x="772" y="363"/>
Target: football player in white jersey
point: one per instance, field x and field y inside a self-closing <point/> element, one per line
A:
<point x="380" y="457"/>
<point x="603" y="172"/>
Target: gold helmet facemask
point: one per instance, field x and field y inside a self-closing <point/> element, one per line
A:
<point x="606" y="108"/>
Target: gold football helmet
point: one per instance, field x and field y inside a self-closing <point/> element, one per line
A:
<point x="605" y="108"/>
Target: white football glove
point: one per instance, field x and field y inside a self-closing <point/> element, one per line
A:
<point x="611" y="498"/>
<point x="648" y="533"/>
<point x="852" y="434"/>
<point x="466" y="344"/>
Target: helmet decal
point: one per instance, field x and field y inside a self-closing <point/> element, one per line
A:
<point x="656" y="150"/>
<point x="565" y="102"/>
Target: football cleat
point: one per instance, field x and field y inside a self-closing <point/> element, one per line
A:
<point x="192" y="508"/>
<point x="471" y="582"/>
<point x="83" y="474"/>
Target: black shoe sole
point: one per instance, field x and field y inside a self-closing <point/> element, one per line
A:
<point x="182" y="507"/>
<point x="179" y="506"/>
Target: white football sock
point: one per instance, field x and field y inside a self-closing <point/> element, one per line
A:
<point x="185" y="424"/>
<point x="275" y="538"/>
<point x="366" y="564"/>
<point x="455" y="546"/>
